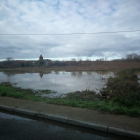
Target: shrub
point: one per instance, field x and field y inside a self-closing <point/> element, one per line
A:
<point x="124" y="85"/>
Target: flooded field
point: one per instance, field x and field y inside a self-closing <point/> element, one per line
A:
<point x="60" y="82"/>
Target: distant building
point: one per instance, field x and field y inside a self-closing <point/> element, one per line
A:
<point x="47" y="62"/>
<point x="41" y="57"/>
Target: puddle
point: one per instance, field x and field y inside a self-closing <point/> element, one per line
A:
<point x="60" y="82"/>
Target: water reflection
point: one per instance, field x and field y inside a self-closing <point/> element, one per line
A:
<point x="9" y="74"/>
<point x="41" y="75"/>
<point x="77" y="73"/>
<point x="89" y="72"/>
<point x="56" y="72"/>
<point x="61" y="81"/>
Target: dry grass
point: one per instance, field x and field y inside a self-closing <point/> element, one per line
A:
<point x="93" y="66"/>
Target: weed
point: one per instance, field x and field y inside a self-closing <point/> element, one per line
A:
<point x="134" y="112"/>
<point x="123" y="85"/>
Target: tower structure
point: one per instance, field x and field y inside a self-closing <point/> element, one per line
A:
<point x="41" y="57"/>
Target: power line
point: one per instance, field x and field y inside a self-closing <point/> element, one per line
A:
<point x="75" y="33"/>
<point x="59" y="36"/>
<point x="66" y="37"/>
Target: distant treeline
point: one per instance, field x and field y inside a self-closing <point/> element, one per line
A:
<point x="11" y="63"/>
<point x="132" y="57"/>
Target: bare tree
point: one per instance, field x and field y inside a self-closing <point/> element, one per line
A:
<point x="73" y="61"/>
<point x="79" y="60"/>
<point x="8" y="62"/>
<point x="9" y="59"/>
<point x="132" y="57"/>
<point x="88" y="62"/>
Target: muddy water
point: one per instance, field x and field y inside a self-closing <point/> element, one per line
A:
<point x="60" y="81"/>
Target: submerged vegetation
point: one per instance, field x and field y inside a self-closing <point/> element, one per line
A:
<point x="121" y="95"/>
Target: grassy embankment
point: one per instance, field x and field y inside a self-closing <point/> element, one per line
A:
<point x="122" y="95"/>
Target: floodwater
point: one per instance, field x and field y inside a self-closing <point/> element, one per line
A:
<point x="61" y="82"/>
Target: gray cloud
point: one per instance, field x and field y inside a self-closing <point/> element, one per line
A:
<point x="60" y="17"/>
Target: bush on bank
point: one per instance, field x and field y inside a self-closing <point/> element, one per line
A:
<point x="124" y="85"/>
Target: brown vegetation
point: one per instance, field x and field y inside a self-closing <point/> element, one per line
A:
<point x="93" y="66"/>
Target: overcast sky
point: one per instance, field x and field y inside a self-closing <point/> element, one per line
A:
<point x="64" y="17"/>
